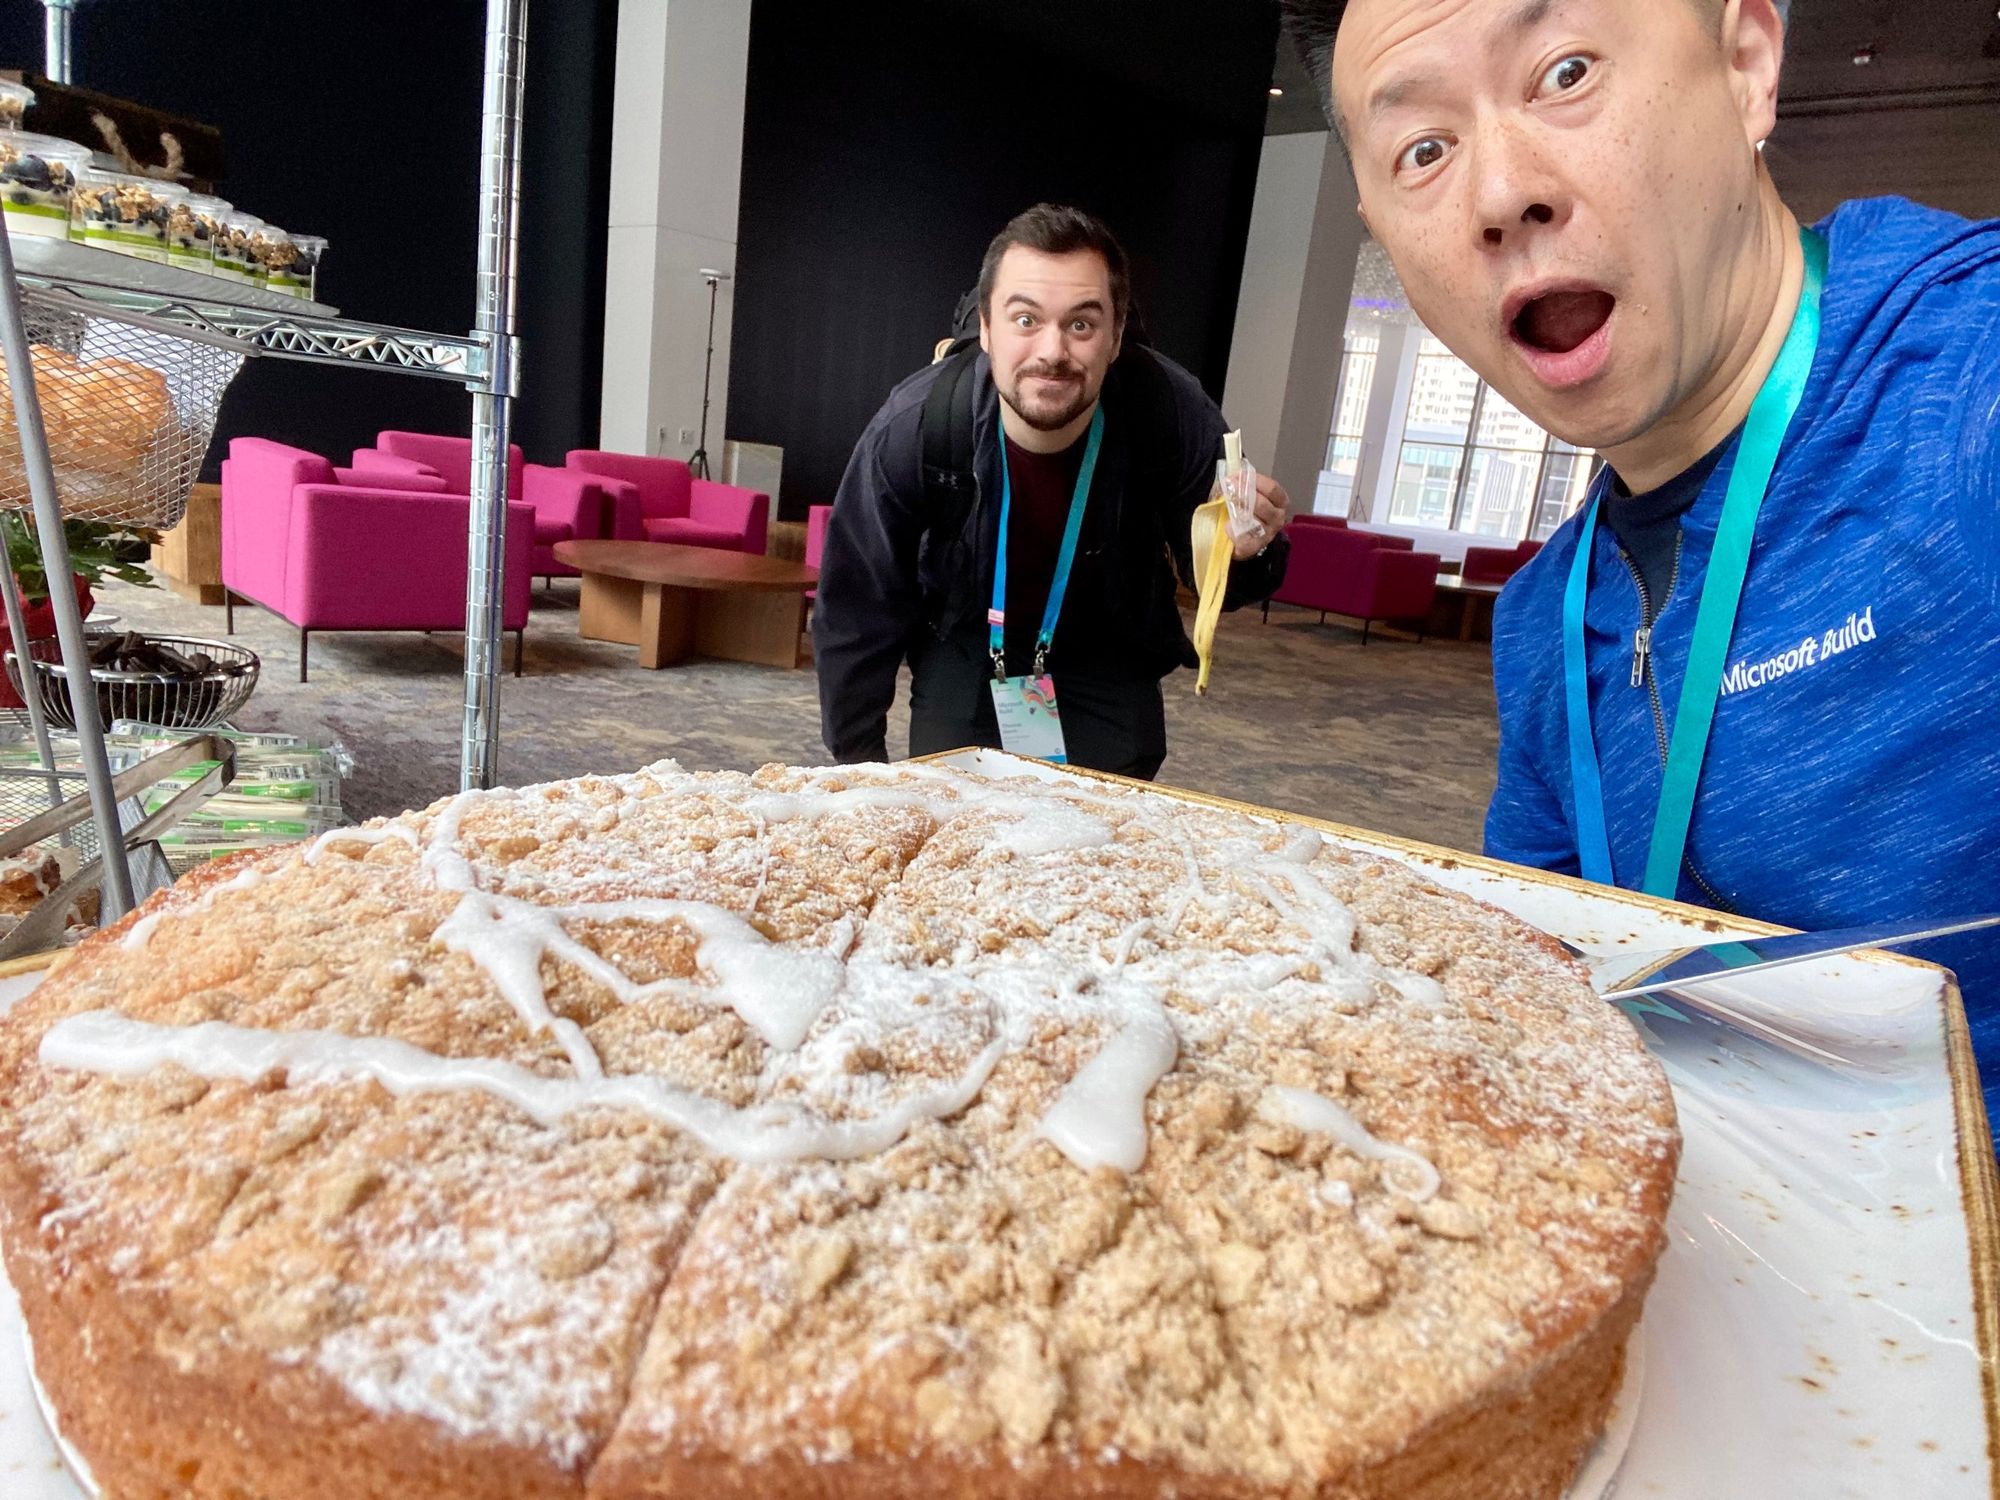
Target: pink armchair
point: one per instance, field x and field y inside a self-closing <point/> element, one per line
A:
<point x="1343" y="572"/>
<point x="1313" y="518"/>
<point x="358" y="556"/>
<point x="1497" y="564"/>
<point x="818" y="518"/>
<point x="674" y="506"/>
<point x="568" y="506"/>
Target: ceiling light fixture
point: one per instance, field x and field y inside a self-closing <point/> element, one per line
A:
<point x="1276" y="92"/>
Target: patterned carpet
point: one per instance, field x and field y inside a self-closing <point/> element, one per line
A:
<point x="1393" y="736"/>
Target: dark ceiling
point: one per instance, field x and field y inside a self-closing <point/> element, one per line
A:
<point x="1920" y="53"/>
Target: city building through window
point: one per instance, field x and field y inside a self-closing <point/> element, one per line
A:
<point x="1420" y="443"/>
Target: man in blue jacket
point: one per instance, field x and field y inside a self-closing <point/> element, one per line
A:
<point x="1761" y="670"/>
<point x="1016" y="517"/>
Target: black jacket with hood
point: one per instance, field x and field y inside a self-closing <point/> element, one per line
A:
<point x="899" y="580"/>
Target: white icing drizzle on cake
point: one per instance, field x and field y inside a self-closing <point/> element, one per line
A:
<point x="102" y="1041"/>
<point x="1315" y="1112"/>
<point x="377" y="835"/>
<point x="782" y="991"/>
<point x="1099" y="1118"/>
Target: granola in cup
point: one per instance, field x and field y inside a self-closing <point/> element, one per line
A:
<point x="277" y="258"/>
<point x="233" y="260"/>
<point x="37" y="177"/>
<point x="310" y="247"/>
<point x="14" y="101"/>
<point x="127" y="214"/>
<point x="193" y="225"/>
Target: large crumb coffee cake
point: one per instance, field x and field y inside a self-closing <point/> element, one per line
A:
<point x="872" y="1132"/>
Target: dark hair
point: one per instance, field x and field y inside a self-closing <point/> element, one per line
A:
<point x="1055" y="229"/>
<point x="1313" y="25"/>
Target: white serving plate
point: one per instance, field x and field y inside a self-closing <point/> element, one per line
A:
<point x="1825" y="1309"/>
<point x="52" y="257"/>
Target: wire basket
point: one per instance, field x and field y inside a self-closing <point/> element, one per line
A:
<point x="171" y="702"/>
<point x="128" y="411"/>
<point x="25" y="794"/>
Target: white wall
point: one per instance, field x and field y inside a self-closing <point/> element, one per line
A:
<point x="676" y="167"/>
<point x="1267" y="307"/>
<point x="1298" y="273"/>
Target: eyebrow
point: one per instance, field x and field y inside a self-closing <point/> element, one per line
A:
<point x="1089" y="304"/>
<point x="1526" y="17"/>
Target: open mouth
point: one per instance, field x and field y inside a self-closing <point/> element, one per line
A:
<point x="1558" y="322"/>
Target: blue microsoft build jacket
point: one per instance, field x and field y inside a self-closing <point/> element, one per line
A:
<point x="1854" y="770"/>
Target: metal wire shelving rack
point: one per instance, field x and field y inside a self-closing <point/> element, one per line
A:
<point x="484" y="361"/>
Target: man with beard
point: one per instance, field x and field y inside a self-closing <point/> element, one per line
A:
<point x="1757" y="671"/>
<point x="1053" y="560"/>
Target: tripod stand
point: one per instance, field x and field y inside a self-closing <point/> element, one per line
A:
<point x="698" y="460"/>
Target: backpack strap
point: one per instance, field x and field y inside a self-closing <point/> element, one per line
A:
<point x="949" y="484"/>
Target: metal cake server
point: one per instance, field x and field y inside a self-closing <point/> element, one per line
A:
<point x="1626" y="976"/>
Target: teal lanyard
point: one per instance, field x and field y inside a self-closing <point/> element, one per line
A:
<point x="1715" y="621"/>
<point x="996" y="617"/>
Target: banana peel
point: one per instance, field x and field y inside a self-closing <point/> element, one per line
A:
<point x="1213" y="552"/>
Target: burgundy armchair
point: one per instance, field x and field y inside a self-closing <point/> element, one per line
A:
<point x="1497" y="564"/>
<point x="567" y="506"/>
<point x="674" y="506"/>
<point x="818" y="519"/>
<point x="1311" y="518"/>
<point x="1345" y="572"/>
<point x="1391" y="539"/>
<point x="325" y="555"/>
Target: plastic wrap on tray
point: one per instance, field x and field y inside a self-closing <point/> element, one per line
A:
<point x="287" y="788"/>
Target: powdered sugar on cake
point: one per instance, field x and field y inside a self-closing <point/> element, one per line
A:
<point x="775" y="1049"/>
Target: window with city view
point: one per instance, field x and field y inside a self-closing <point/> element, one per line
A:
<point x="1470" y="461"/>
<point x="1350" y="419"/>
<point x="1460" y="457"/>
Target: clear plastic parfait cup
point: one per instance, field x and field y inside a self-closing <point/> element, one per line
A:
<point x="193" y="226"/>
<point x="310" y="247"/>
<point x="117" y="211"/>
<point x="277" y="258"/>
<point x="14" y="101"/>
<point x="233" y="260"/>
<point x="37" y="180"/>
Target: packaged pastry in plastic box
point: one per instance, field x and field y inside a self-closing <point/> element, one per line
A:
<point x="37" y="179"/>
<point x="117" y="211"/>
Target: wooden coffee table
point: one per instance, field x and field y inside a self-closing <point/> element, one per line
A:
<point x="1474" y="599"/>
<point x="673" y="602"/>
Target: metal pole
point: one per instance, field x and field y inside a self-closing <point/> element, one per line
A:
<point x="31" y="698"/>
<point x="492" y="398"/>
<point x="117" y="897"/>
<point x="56" y="34"/>
<point x="698" y="463"/>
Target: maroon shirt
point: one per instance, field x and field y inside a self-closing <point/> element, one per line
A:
<point x="1043" y="485"/>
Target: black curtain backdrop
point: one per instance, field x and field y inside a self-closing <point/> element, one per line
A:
<point x="884" y="145"/>
<point x="360" y="121"/>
